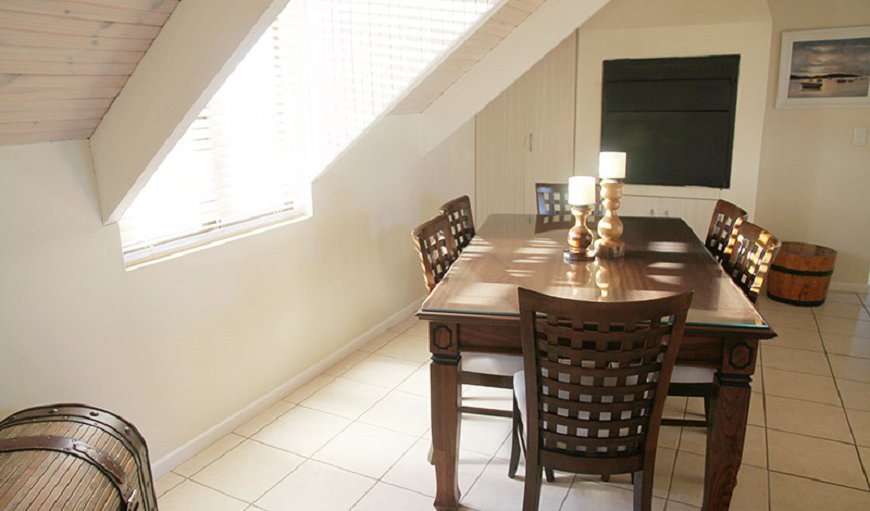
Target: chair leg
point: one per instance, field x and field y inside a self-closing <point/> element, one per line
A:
<point x="516" y="439"/>
<point x="708" y="417"/>
<point x="532" y="487"/>
<point x="548" y="473"/>
<point x="643" y="483"/>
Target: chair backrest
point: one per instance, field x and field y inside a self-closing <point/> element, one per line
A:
<point x="552" y="199"/>
<point x="727" y="217"/>
<point x="754" y="249"/>
<point x="597" y="375"/>
<point x="437" y="249"/>
<point x="458" y="213"/>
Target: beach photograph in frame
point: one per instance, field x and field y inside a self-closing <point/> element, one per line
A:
<point x="824" y="68"/>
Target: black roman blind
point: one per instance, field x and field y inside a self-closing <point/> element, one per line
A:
<point x="673" y="116"/>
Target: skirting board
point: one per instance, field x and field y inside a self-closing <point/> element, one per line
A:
<point x="211" y="435"/>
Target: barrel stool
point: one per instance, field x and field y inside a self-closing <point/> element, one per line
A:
<point x="800" y="274"/>
<point x="68" y="457"/>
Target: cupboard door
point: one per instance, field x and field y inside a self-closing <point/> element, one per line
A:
<point x="638" y="205"/>
<point x="697" y="213"/>
<point x="551" y="122"/>
<point x="500" y="155"/>
<point x="526" y="135"/>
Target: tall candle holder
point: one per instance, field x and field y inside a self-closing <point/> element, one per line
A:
<point x="580" y="237"/>
<point x="581" y="196"/>
<point x="611" y="169"/>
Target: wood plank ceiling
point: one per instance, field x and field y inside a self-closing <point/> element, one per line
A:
<point x="63" y="62"/>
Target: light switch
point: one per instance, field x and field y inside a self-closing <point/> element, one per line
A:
<point x="859" y="136"/>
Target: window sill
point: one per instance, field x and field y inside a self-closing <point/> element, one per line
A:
<point x="148" y="256"/>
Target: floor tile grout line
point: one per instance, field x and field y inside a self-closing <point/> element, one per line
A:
<point x="831" y="375"/>
<point x="219" y="457"/>
<point x="843" y="403"/>
<point x="807" y="400"/>
<point x="338" y="467"/>
<point x="766" y="435"/>
<point x="849" y="443"/>
<point x="311" y="457"/>
<point x="476" y="479"/>
<point x="822" y="481"/>
<point x="492" y="457"/>
<point x="676" y="454"/>
<point x="225" y="494"/>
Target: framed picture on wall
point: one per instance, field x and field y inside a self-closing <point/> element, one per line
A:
<point x="824" y="68"/>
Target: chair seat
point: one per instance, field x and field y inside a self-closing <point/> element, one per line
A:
<point x="491" y="363"/>
<point x="692" y="374"/>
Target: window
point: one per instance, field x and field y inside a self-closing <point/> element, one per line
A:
<point x="316" y="79"/>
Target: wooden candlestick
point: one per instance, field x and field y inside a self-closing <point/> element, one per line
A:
<point x="610" y="228"/>
<point x="580" y="237"/>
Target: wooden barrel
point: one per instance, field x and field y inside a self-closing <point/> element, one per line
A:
<point x="801" y="273"/>
<point x="73" y="457"/>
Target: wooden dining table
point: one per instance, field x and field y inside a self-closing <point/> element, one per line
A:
<point x="475" y="309"/>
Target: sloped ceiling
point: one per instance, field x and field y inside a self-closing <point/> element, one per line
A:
<point x="502" y="21"/>
<point x="63" y="62"/>
<point x="67" y="72"/>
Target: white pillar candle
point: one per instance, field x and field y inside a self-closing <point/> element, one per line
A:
<point x="611" y="165"/>
<point x="581" y="190"/>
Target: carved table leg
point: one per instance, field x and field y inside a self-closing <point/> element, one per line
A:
<point x="444" y="373"/>
<point x="727" y="429"/>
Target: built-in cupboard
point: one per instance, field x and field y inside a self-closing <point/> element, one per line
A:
<point x="527" y="135"/>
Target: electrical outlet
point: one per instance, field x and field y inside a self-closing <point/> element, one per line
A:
<point x="859" y="136"/>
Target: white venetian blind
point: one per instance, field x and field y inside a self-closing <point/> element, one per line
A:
<point x="318" y="77"/>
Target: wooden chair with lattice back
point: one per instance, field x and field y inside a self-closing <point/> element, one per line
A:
<point x="593" y="386"/>
<point x="749" y="261"/>
<point x="437" y="249"/>
<point x="458" y="213"/>
<point x="552" y="199"/>
<point x="722" y="232"/>
<point x="753" y="249"/>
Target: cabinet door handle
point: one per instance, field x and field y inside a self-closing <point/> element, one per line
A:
<point x="529" y="141"/>
<point x="652" y="212"/>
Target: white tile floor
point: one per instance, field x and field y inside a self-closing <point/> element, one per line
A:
<point x="356" y="437"/>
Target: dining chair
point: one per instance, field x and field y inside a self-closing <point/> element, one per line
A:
<point x="438" y="250"/>
<point x="436" y="247"/>
<point x="593" y="387"/>
<point x="722" y="232"/>
<point x="552" y="199"/>
<point x="753" y="249"/>
<point x="458" y="213"/>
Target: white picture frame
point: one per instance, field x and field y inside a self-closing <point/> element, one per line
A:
<point x="824" y="68"/>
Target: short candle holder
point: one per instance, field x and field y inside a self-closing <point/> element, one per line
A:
<point x="580" y="237"/>
<point x="610" y="228"/>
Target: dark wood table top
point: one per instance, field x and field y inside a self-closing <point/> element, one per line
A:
<point x="663" y="256"/>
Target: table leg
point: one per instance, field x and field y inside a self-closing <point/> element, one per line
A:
<point x="727" y="429"/>
<point x="444" y="379"/>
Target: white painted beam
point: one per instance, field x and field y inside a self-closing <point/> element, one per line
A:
<point x="537" y="35"/>
<point x="197" y="48"/>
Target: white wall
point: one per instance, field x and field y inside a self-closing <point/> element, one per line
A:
<point x="814" y="185"/>
<point x="179" y="346"/>
<point x="679" y="28"/>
